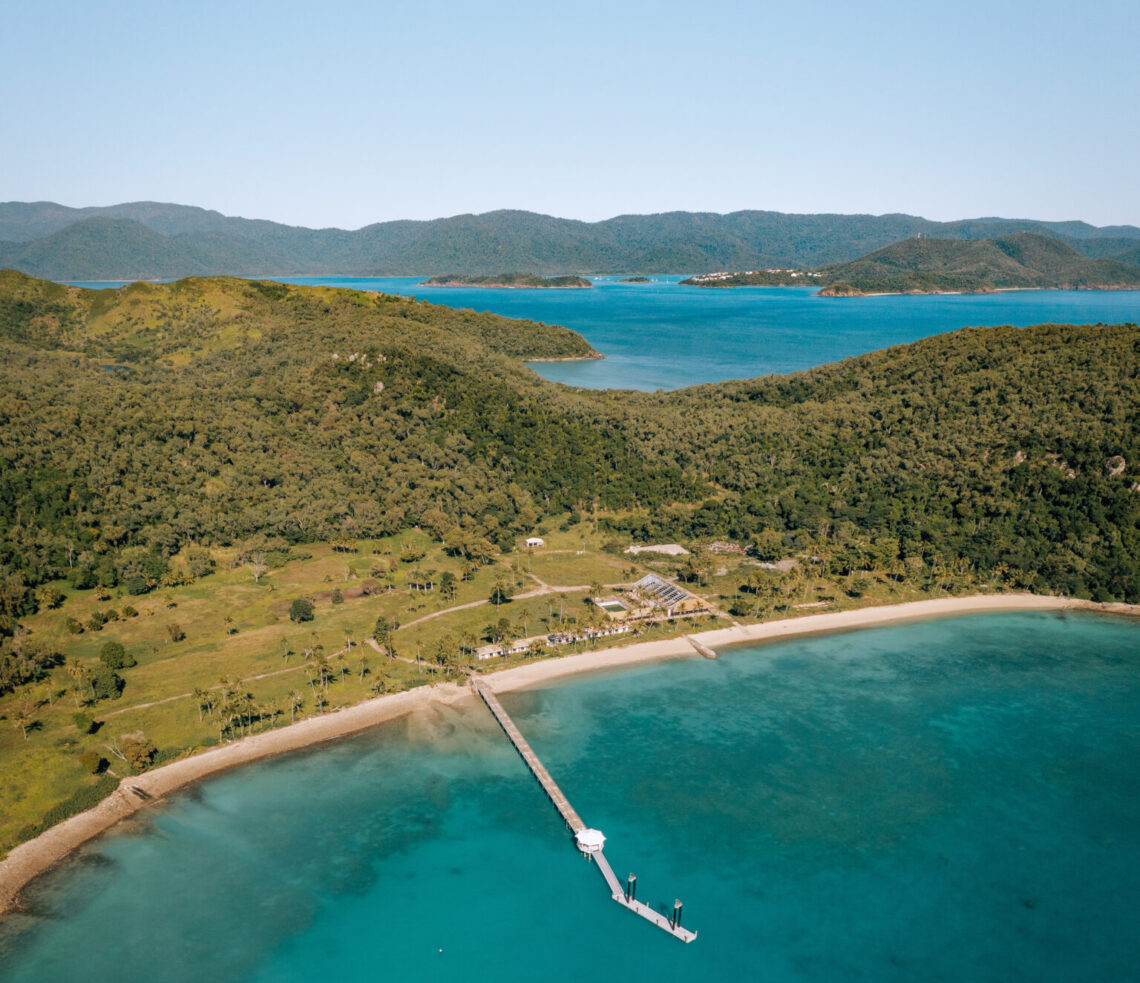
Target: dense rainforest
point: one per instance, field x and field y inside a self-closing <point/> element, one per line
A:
<point x="138" y="421"/>
<point x="140" y="240"/>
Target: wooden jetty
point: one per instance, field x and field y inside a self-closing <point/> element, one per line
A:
<point x="574" y="821"/>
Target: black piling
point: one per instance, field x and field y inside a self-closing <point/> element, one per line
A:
<point x="675" y="921"/>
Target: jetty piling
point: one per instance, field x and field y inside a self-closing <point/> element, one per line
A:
<point x="625" y="897"/>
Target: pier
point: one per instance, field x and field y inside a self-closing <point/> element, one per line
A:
<point x="623" y="896"/>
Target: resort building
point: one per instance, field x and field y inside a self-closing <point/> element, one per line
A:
<point x="673" y="600"/>
<point x="535" y="542"/>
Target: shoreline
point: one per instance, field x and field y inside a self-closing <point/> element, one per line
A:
<point x="596" y="357"/>
<point x="963" y="293"/>
<point x="31" y="859"/>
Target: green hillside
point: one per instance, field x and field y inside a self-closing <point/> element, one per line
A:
<point x="190" y="472"/>
<point x="49" y="240"/>
<point x="1021" y="260"/>
<point x="134" y="422"/>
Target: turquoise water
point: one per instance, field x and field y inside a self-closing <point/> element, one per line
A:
<point x="663" y="336"/>
<point x="948" y="800"/>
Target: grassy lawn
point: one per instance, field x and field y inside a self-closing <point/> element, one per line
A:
<point x="581" y="569"/>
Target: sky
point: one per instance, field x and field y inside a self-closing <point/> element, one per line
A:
<point x="342" y="114"/>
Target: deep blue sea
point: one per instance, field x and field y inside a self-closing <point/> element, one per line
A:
<point x="951" y="800"/>
<point x="661" y="335"/>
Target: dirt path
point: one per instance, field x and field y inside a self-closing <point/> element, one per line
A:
<point x="238" y="682"/>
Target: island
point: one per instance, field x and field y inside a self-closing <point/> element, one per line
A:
<point x="755" y="278"/>
<point x="921" y="265"/>
<point x="370" y="540"/>
<point x="1022" y="261"/>
<point x="509" y="280"/>
<point x="635" y="279"/>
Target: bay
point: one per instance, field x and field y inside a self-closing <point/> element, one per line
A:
<point x="661" y="335"/>
<point x="949" y="800"/>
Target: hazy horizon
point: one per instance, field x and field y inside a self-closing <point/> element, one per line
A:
<point x="570" y="218"/>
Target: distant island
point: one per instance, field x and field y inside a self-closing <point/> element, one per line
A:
<point x="515" y="280"/>
<point x="145" y="240"/>
<point x="755" y="278"/>
<point x="1020" y="261"/>
<point x="635" y="279"/>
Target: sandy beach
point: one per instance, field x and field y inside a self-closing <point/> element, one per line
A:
<point x="30" y="859"/>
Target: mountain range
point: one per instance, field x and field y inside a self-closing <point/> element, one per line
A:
<point x="146" y="240"/>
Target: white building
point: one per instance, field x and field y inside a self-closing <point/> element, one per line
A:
<point x="590" y="840"/>
<point x="535" y="542"/>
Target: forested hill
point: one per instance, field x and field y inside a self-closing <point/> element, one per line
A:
<point x="136" y="421"/>
<point x="938" y="265"/>
<point x="142" y="240"/>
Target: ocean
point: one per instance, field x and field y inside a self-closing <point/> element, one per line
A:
<point x="661" y="335"/>
<point x="942" y="800"/>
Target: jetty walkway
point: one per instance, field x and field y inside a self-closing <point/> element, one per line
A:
<point x="623" y="896"/>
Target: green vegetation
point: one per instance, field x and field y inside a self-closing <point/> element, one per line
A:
<point x="922" y="265"/>
<point x="945" y="265"/>
<point x="149" y="239"/>
<point x="181" y="464"/>
<point x="508" y="280"/>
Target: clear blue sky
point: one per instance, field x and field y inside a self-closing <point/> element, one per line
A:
<point x="349" y="113"/>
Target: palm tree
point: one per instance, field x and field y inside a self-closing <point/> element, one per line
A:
<point x="81" y="676"/>
<point x="24" y="716"/>
<point x="499" y="591"/>
<point x="200" y="696"/>
<point x="296" y="701"/>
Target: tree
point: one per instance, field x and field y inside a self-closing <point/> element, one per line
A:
<point x="444" y="650"/>
<point x="93" y="761"/>
<point x="202" y="698"/>
<point x="383" y="632"/>
<point x="499" y="591"/>
<point x="138" y="752"/>
<point x="24" y="721"/>
<point x="80" y="679"/>
<point x="255" y="564"/>
<point x="300" y="610"/>
<point x="296" y="701"/>
<point x="199" y="562"/>
<point x="49" y="597"/>
<point x="106" y="684"/>
<point x="174" y="630"/>
<point x="114" y="656"/>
